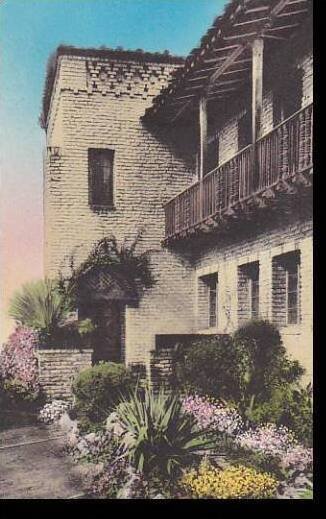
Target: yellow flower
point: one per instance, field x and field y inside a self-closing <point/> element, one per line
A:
<point x="232" y="483"/>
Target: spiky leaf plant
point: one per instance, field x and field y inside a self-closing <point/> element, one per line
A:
<point x="39" y="305"/>
<point x="159" y="436"/>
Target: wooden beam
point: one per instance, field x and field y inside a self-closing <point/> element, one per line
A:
<point x="282" y="27"/>
<point x="222" y="49"/>
<point x="229" y="61"/>
<point x="257" y="9"/>
<point x="237" y="36"/>
<point x="293" y="13"/>
<point x="273" y="37"/>
<point x="236" y="71"/>
<point x="248" y="22"/>
<point x="257" y="86"/>
<point x="203" y="135"/>
<point x="222" y="91"/>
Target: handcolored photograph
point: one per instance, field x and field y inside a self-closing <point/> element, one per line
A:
<point x="156" y="257"/>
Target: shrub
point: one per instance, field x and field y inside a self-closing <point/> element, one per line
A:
<point x="231" y="483"/>
<point x="97" y="390"/>
<point x="266" y="363"/>
<point x="289" y="406"/>
<point x="211" y="366"/>
<point x="18" y="363"/>
<point x="158" y="435"/>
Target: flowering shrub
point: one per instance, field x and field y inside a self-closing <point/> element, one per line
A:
<point x="93" y="447"/>
<point x="119" y="480"/>
<point x="231" y="483"/>
<point x="268" y="439"/>
<point x="18" y="361"/>
<point x="53" y="411"/>
<point x="278" y="443"/>
<point x="209" y="413"/>
<point x="105" y="482"/>
<point x="298" y="458"/>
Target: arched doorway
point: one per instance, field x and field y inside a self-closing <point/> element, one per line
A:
<point x="103" y="294"/>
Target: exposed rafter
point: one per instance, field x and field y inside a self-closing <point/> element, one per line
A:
<point x="221" y="59"/>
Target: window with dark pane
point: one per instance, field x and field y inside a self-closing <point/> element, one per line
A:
<point x="287" y="96"/>
<point x="293" y="293"/>
<point x="208" y="301"/>
<point x="212" y="290"/>
<point x="253" y="274"/>
<point x="248" y="291"/>
<point x="212" y="157"/>
<point x="286" y="288"/>
<point x="244" y="130"/>
<point x="100" y="164"/>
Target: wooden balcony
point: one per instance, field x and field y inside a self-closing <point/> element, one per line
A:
<point x="277" y="162"/>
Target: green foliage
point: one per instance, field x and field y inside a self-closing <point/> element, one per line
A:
<point x="252" y="370"/>
<point x="121" y="259"/>
<point x="268" y="370"/>
<point x="210" y="366"/>
<point x="39" y="305"/>
<point x="159" y="435"/>
<point x="85" y="327"/>
<point x="289" y="406"/>
<point x="97" y="390"/>
<point x="307" y="494"/>
<point x="17" y="391"/>
<point x="267" y="363"/>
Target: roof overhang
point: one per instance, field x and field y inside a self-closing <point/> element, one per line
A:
<point x="222" y="63"/>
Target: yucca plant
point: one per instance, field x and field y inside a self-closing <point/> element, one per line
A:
<point x="39" y="305"/>
<point x="159" y="436"/>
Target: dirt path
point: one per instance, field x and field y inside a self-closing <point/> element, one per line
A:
<point x="33" y="466"/>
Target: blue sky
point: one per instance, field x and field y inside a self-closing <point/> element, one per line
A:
<point x="29" y="31"/>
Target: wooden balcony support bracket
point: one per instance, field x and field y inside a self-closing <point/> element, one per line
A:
<point x="302" y="179"/>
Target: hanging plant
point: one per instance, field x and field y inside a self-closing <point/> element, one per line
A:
<point x="121" y="261"/>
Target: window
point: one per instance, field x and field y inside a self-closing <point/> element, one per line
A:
<point x="248" y="291"/>
<point x="100" y="165"/>
<point x="286" y="288"/>
<point x="208" y="301"/>
<point x="212" y="158"/>
<point x="287" y="96"/>
<point x="244" y="130"/>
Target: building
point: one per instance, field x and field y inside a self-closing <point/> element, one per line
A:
<point x="212" y="157"/>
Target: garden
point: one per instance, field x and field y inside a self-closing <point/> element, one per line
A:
<point x="235" y="423"/>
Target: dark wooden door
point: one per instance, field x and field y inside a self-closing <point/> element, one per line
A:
<point x="107" y="337"/>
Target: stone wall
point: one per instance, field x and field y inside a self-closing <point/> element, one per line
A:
<point x="59" y="367"/>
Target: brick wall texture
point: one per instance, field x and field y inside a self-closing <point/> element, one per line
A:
<point x="98" y="103"/>
<point x="58" y="368"/>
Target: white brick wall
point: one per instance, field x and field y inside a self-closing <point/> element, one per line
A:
<point x="149" y="168"/>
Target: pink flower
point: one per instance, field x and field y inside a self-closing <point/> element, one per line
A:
<point x="18" y="360"/>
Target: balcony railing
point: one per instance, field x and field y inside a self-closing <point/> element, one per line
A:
<point x="282" y="154"/>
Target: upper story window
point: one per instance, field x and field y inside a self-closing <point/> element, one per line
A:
<point x="100" y="167"/>
<point x="212" y="157"/>
<point x="286" y="288"/>
<point x="287" y="96"/>
<point x="244" y="130"/>
<point x="248" y="291"/>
